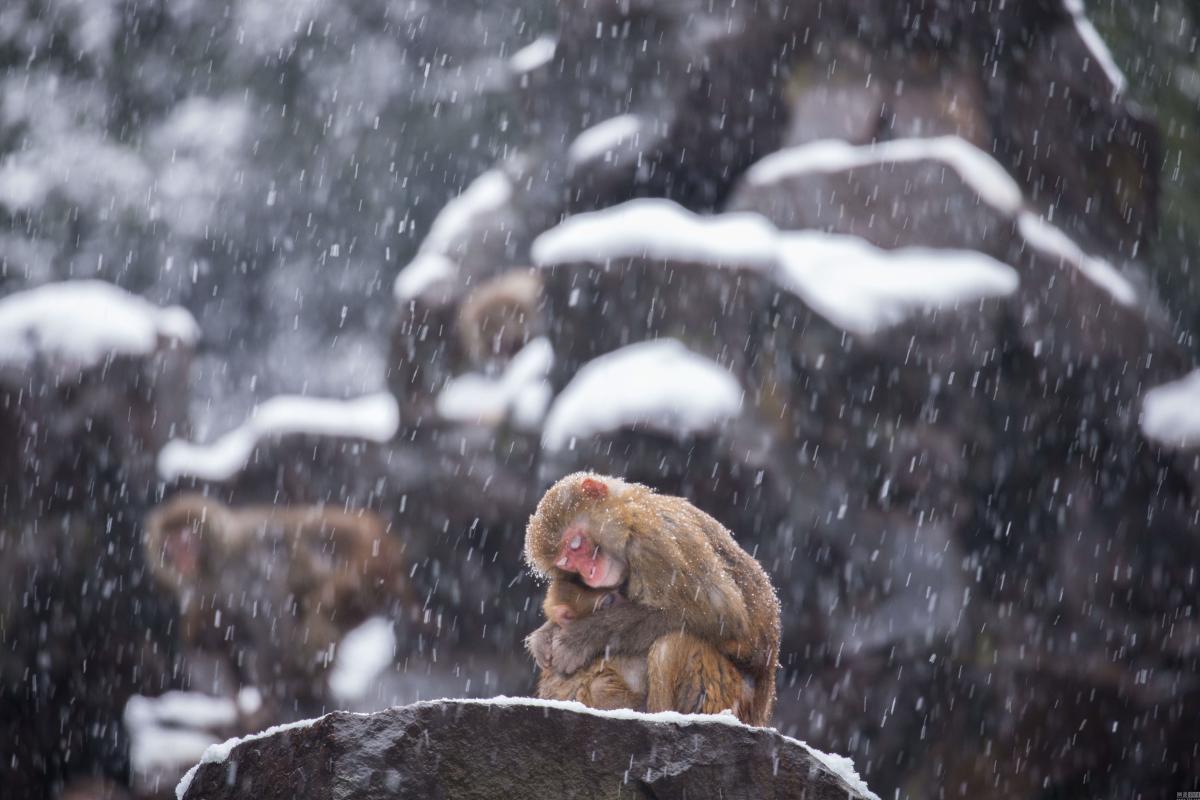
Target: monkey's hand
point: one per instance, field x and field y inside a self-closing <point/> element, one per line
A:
<point x="539" y="644"/>
<point x="627" y="629"/>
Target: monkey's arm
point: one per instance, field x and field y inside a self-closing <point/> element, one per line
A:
<point x="627" y="629"/>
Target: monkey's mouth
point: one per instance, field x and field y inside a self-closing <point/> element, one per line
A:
<point x="606" y="572"/>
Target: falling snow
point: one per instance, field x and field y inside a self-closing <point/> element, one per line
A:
<point x="906" y="298"/>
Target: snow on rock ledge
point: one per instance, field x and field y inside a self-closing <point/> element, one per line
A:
<point x="535" y="54"/>
<point x="519" y="748"/>
<point x="374" y="417"/>
<point x="1171" y="412"/>
<point x="855" y="285"/>
<point x="1096" y="46"/>
<point x="658" y="229"/>
<point x="863" y="289"/>
<point x="486" y="195"/>
<point x="984" y="176"/>
<point x="521" y="394"/>
<point x="602" y="139"/>
<point x="979" y="170"/>
<point x="82" y="323"/>
<point x="660" y="385"/>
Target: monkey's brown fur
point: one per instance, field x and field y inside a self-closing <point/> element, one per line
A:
<point x="500" y="317"/>
<point x="617" y="682"/>
<point x="274" y="589"/>
<point x="701" y="609"/>
<point x="680" y="672"/>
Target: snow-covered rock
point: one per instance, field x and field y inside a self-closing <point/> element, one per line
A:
<point x="972" y="165"/>
<point x="658" y="229"/>
<point x="521" y="393"/>
<point x="374" y="418"/>
<point x="518" y="747"/>
<point x="656" y="385"/>
<point x="1171" y="412"/>
<point x="80" y="324"/>
<point x="857" y="286"/>
<point x="863" y="289"/>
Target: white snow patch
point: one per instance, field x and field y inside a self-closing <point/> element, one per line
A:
<point x="362" y="655"/>
<point x="522" y="392"/>
<point x="84" y="322"/>
<point x="375" y="417"/>
<point x="217" y="753"/>
<point x="155" y="748"/>
<point x="249" y="699"/>
<point x="857" y="286"/>
<point x="1095" y="44"/>
<point x="421" y="273"/>
<point x="659" y="384"/>
<point x="862" y="288"/>
<point x="605" y="137"/>
<point x="534" y="55"/>
<point x="193" y="709"/>
<point x="1171" y="412"/>
<point x="659" y="229"/>
<point x="486" y="195"/>
<point x="1048" y="238"/>
<point x="976" y="168"/>
<point x="169" y="730"/>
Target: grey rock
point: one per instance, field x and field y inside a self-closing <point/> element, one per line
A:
<point x="458" y="749"/>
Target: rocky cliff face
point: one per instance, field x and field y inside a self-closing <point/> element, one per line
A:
<point x="865" y="283"/>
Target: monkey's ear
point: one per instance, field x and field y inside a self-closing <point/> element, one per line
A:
<point x="593" y="488"/>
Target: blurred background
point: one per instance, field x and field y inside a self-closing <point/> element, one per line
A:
<point x="901" y="293"/>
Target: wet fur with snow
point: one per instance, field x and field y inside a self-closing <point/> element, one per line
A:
<point x="701" y="610"/>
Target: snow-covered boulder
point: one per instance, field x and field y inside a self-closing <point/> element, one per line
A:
<point x="945" y="193"/>
<point x="923" y="192"/>
<point x="93" y="381"/>
<point x="519" y="748"/>
<point x="373" y="418"/>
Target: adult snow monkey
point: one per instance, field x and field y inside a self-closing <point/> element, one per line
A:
<point x="697" y="606"/>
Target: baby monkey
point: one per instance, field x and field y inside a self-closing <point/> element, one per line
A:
<point x="617" y="682"/>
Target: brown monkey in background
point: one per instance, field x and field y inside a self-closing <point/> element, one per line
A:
<point x="500" y="317"/>
<point x="273" y="590"/>
<point x="700" y="609"/>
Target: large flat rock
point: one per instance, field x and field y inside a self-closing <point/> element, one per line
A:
<point x="518" y="748"/>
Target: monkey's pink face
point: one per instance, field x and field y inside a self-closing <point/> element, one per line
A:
<point x="578" y="552"/>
